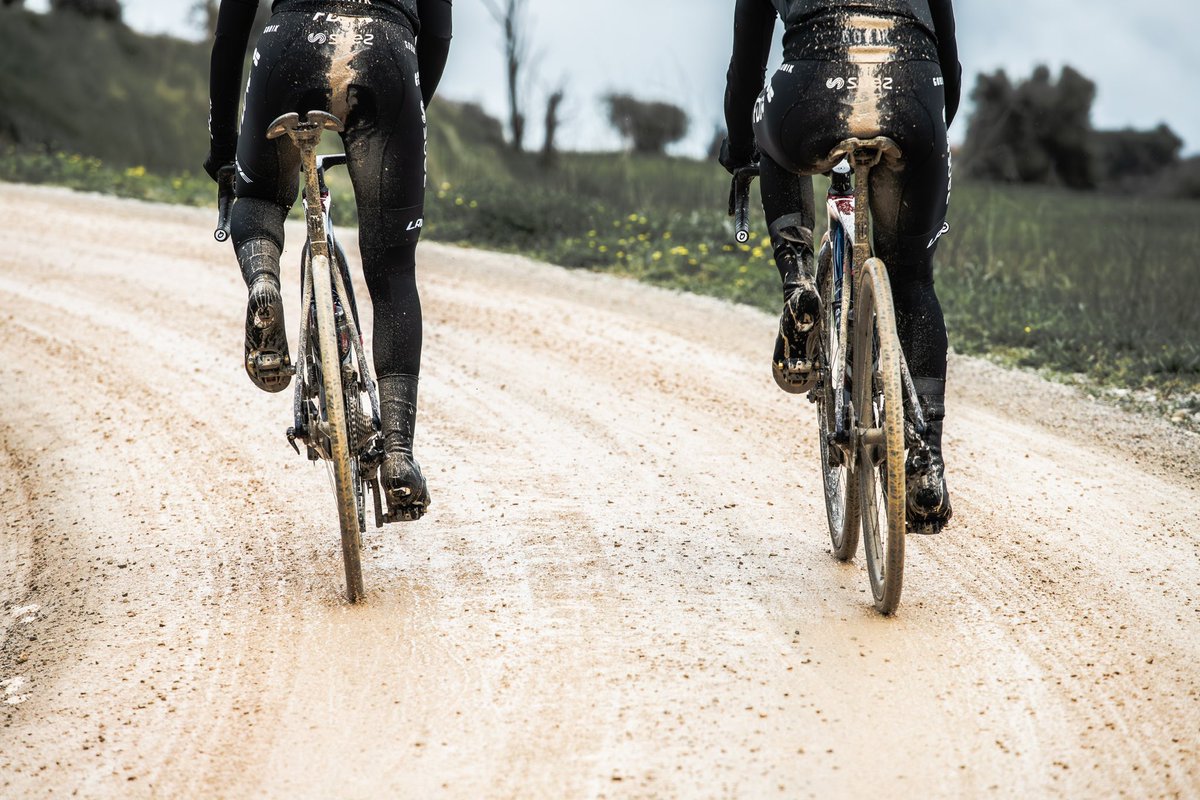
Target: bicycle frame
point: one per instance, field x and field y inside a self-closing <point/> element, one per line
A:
<point x="845" y="211"/>
<point x="849" y="232"/>
<point x="342" y="286"/>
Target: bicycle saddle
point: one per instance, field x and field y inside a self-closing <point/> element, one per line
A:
<point x="863" y="152"/>
<point x="314" y="122"/>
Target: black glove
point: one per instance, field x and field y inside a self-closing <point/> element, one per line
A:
<point x="219" y="157"/>
<point x="734" y="158"/>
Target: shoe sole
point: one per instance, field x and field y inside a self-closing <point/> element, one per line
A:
<point x="269" y="370"/>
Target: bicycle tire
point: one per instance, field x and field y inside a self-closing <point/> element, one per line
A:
<point x="357" y="425"/>
<point x="838" y="480"/>
<point x="335" y="417"/>
<point x="879" y="408"/>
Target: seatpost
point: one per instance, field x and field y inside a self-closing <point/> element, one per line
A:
<point x="863" y="161"/>
<point x="306" y="136"/>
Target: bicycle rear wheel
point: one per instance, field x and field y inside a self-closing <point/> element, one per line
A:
<point x="879" y="407"/>
<point x="344" y="476"/>
<point x="840" y="484"/>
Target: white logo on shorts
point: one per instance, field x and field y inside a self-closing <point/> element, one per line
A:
<point x="945" y="229"/>
<point x="318" y="38"/>
<point x="835" y="83"/>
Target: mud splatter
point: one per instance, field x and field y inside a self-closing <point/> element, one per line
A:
<point x="342" y="72"/>
<point x="869" y="46"/>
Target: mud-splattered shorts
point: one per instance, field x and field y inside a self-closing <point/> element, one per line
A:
<point x="364" y="71"/>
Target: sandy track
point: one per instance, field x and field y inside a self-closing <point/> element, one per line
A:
<point x="623" y="588"/>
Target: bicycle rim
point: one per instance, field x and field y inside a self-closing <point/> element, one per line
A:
<point x="840" y="485"/>
<point x="339" y="440"/>
<point x="879" y="407"/>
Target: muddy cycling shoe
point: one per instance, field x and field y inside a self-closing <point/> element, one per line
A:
<point x="267" y="360"/>
<point x="928" y="496"/>
<point x="403" y="484"/>
<point x="792" y="364"/>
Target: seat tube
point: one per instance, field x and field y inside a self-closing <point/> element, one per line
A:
<point x="314" y="208"/>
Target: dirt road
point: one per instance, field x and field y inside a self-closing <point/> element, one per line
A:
<point x="623" y="588"/>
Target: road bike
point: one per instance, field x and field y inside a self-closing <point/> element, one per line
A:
<point x="868" y="415"/>
<point x="336" y="401"/>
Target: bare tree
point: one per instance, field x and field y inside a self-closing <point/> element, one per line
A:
<point x="553" y="106"/>
<point x="511" y="17"/>
<point x="648" y="127"/>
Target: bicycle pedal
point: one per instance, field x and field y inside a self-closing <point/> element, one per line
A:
<point x="405" y="514"/>
<point x="798" y="370"/>
<point x="269" y="365"/>
<point x="930" y="528"/>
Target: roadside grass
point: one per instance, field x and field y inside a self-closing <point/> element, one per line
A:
<point x="1100" y="290"/>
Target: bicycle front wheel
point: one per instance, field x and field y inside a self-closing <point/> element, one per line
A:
<point x="879" y="407"/>
<point x="344" y="477"/>
<point x="839" y="483"/>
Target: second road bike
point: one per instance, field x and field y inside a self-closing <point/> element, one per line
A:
<point x="867" y="411"/>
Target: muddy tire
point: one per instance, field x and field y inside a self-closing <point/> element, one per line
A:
<point x="839" y="483"/>
<point x="344" y="477"/>
<point x="879" y="408"/>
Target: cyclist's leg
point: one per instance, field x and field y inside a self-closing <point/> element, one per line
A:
<point x="909" y="207"/>
<point x="385" y="143"/>
<point x="268" y="179"/>
<point x="795" y="129"/>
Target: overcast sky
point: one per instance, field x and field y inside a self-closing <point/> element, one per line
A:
<point x="1140" y="54"/>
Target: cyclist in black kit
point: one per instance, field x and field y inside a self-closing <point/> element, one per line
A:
<point x="375" y="65"/>
<point x="855" y="68"/>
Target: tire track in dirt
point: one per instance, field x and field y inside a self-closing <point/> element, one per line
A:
<point x="623" y="588"/>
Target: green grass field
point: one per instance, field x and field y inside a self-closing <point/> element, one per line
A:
<point x="1079" y="284"/>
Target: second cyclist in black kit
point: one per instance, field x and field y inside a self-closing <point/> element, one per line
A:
<point x="374" y="65"/>
<point x="856" y="68"/>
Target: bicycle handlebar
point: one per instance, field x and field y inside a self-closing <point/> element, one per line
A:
<point x="739" y="201"/>
<point x="226" y="176"/>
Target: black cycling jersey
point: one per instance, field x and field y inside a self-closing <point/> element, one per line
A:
<point x="402" y="11"/>
<point x="824" y="30"/>
<point x="802" y="12"/>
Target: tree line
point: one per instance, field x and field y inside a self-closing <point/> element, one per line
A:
<point x="1039" y="131"/>
<point x="1036" y="130"/>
